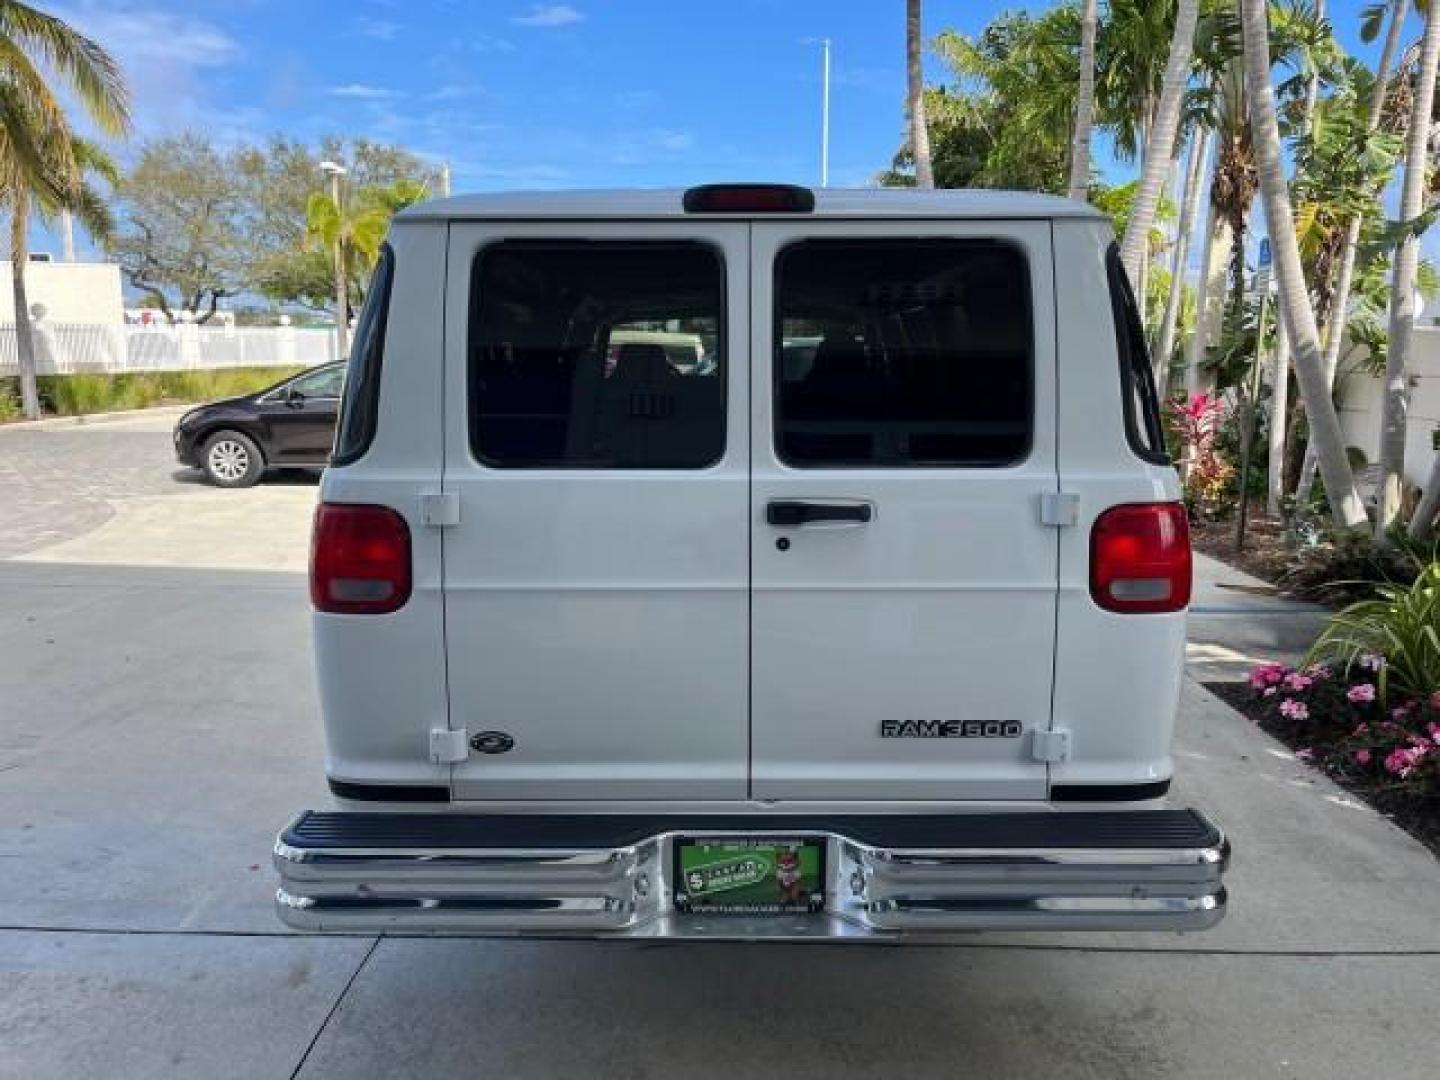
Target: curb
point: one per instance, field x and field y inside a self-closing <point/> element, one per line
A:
<point x="47" y="422"/>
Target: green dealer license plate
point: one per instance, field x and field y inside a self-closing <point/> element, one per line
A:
<point x="741" y="876"/>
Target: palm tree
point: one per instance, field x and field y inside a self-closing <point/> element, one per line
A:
<point x="1345" y="274"/>
<point x="1402" y="288"/>
<point x="42" y="164"/>
<point x="1294" y="299"/>
<point x="358" y="226"/>
<point x="915" y="96"/>
<point x="1310" y="44"/>
<point x="1085" y="105"/>
<point x="1160" y="146"/>
<point x="1194" y="182"/>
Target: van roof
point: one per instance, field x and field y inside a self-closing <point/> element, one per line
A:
<point x="632" y="203"/>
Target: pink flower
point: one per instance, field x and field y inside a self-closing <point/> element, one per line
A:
<point x="1362" y="757"/>
<point x="1361" y="693"/>
<point x="1267" y="675"/>
<point x="1400" y="762"/>
<point x="1295" y="710"/>
<point x="1269" y="691"/>
<point x="1434" y="730"/>
<point x="1305" y="754"/>
<point x="1318" y="671"/>
<point x="1372" y="661"/>
<point x="1296" y="682"/>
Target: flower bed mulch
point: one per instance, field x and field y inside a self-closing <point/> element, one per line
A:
<point x="1264" y="556"/>
<point x="1334" y="721"/>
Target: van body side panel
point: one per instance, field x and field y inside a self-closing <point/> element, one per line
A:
<point x="1117" y="677"/>
<point x="377" y="725"/>
<point x="598" y="617"/>
<point x="906" y="656"/>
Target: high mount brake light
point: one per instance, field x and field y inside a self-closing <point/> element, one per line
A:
<point x="1140" y="558"/>
<point x="748" y="199"/>
<point x="359" y="559"/>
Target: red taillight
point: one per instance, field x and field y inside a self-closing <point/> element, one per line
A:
<point x="748" y="199"/>
<point x="1140" y="558"/>
<point x="359" y="559"/>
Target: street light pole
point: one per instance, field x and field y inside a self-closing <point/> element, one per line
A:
<point x="342" y="306"/>
<point x="67" y="236"/>
<point x="825" y="117"/>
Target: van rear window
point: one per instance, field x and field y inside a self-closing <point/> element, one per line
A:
<point x="1143" y="428"/>
<point x="903" y="353"/>
<point x="362" y="373"/>
<point x="600" y="355"/>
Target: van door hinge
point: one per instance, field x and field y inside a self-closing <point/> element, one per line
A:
<point x="449" y="745"/>
<point x="440" y="509"/>
<point x="1050" y="745"/>
<point x="1060" y="508"/>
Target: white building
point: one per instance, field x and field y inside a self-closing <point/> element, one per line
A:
<point x="88" y="293"/>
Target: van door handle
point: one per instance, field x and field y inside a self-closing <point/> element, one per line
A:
<point x="788" y="513"/>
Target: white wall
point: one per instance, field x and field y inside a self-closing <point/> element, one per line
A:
<point x="1360" y="405"/>
<point x="71" y="292"/>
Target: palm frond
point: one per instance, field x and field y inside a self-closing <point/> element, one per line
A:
<point x="91" y="72"/>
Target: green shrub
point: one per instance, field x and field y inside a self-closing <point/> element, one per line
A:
<point x="76" y="395"/>
<point x="9" y="401"/>
<point x="1402" y="625"/>
<point x="79" y="395"/>
<point x="1340" y="569"/>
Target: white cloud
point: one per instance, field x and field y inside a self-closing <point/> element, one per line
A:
<point x="454" y="92"/>
<point x="379" y="29"/>
<point x="549" y="15"/>
<point x="671" y="140"/>
<point x="151" y="34"/>
<point x="361" y="91"/>
<point x="170" y="60"/>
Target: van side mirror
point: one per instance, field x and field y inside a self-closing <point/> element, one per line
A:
<point x="294" y="398"/>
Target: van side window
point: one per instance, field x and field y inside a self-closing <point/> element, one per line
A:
<point x="1143" y="429"/>
<point x="361" y="396"/>
<point x="602" y="355"/>
<point x="902" y="353"/>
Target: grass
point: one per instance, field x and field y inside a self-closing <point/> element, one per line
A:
<point x="80" y="395"/>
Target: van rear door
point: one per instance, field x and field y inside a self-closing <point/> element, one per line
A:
<point x="597" y="583"/>
<point x="904" y="587"/>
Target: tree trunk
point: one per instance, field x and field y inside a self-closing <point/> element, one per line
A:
<point x="1085" y="105"/>
<point x="915" y="94"/>
<point x="1194" y="181"/>
<point x="24" y="331"/>
<point x="1294" y="300"/>
<point x="1402" y="287"/>
<point x="1195" y="350"/>
<point x="1160" y="145"/>
<point x="1345" y="274"/>
<point x="1421" y="525"/>
<point x="1279" y="413"/>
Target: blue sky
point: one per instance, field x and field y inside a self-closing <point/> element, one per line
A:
<point x="521" y="94"/>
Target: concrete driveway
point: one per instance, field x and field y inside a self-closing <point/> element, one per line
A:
<point x="158" y="723"/>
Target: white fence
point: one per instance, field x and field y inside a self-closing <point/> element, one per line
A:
<point x="74" y="348"/>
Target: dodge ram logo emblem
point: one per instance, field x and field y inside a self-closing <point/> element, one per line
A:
<point x="951" y="729"/>
<point x="492" y="742"/>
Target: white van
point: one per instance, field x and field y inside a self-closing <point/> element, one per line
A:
<point x="871" y="626"/>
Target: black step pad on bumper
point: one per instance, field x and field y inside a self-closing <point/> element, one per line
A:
<point x="1113" y="830"/>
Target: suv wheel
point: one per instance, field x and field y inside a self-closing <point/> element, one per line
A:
<point x="232" y="460"/>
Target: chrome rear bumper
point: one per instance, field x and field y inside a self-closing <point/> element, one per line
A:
<point x="886" y="877"/>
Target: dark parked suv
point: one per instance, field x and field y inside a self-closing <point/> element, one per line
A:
<point x="291" y="423"/>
